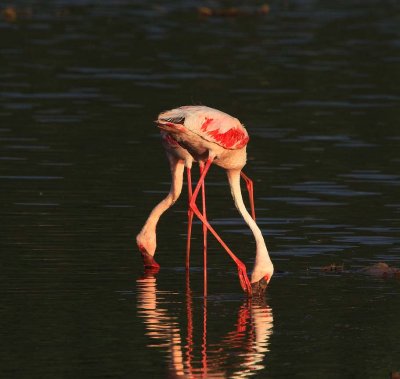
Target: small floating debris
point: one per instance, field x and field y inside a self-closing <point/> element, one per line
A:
<point x="332" y="268"/>
<point x="232" y="11"/>
<point x="379" y="270"/>
<point x="12" y="14"/>
<point x="382" y="270"/>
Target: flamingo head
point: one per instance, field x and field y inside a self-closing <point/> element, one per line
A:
<point x="261" y="278"/>
<point x="147" y="247"/>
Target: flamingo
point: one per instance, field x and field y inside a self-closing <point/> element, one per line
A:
<point x="207" y="136"/>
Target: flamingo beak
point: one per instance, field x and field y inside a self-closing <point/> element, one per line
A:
<point x="148" y="261"/>
<point x="260" y="286"/>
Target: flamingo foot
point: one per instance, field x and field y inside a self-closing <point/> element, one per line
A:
<point x="244" y="280"/>
<point x="260" y="286"/>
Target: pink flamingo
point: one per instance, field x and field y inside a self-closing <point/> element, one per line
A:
<point x="206" y="135"/>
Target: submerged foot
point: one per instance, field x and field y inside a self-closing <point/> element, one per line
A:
<point x="244" y="280"/>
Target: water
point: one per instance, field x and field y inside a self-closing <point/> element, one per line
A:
<point x="81" y="165"/>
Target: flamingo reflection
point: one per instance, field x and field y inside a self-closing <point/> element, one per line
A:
<point x="239" y="354"/>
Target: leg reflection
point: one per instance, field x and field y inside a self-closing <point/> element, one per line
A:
<point x="191" y="352"/>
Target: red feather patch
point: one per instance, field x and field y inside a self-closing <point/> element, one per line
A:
<point x="232" y="138"/>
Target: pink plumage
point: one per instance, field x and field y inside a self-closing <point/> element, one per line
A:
<point x="207" y="136"/>
<point x="210" y="124"/>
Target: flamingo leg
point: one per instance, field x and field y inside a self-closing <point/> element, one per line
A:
<point x="203" y="197"/>
<point x="190" y="216"/>
<point x="244" y="280"/>
<point x="204" y="342"/>
<point x="250" y="189"/>
<point x="189" y="338"/>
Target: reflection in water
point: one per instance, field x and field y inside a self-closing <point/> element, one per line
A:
<point x="241" y="351"/>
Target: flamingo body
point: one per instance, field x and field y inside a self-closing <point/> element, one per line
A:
<point x="174" y="149"/>
<point x="210" y="124"/>
<point x="206" y="135"/>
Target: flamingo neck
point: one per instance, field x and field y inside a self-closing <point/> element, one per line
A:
<point x="146" y="239"/>
<point x="262" y="265"/>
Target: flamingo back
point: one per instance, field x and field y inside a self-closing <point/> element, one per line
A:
<point x="210" y="124"/>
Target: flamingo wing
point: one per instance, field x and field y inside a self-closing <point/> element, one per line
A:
<point x="210" y="124"/>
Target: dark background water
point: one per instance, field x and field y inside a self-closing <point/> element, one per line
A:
<point x="317" y="85"/>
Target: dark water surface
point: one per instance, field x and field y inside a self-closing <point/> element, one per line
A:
<point x="317" y="85"/>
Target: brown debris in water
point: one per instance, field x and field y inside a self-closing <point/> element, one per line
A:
<point x="12" y="14"/>
<point x="379" y="270"/>
<point x="232" y="11"/>
<point x="382" y="270"/>
<point x="332" y="268"/>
